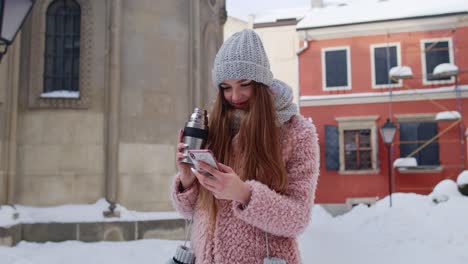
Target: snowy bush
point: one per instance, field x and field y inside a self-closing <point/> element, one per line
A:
<point x="462" y="182"/>
<point x="444" y="190"/>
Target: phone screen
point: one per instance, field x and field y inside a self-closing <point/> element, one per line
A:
<point x="205" y="156"/>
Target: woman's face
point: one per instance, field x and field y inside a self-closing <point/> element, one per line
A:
<point x="237" y="92"/>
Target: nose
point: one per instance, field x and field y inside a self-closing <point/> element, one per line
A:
<point x="236" y="95"/>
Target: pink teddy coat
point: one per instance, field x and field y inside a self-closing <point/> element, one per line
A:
<point x="239" y="234"/>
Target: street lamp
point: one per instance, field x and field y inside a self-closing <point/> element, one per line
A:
<point x="12" y="16"/>
<point x="387" y="131"/>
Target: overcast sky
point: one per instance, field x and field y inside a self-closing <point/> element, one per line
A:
<point x="242" y="8"/>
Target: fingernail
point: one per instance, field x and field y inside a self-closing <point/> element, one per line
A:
<point x="185" y="145"/>
<point x="193" y="170"/>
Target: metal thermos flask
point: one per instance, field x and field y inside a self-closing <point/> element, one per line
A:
<point x="195" y="132"/>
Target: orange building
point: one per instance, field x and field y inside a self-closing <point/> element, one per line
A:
<point x="345" y="87"/>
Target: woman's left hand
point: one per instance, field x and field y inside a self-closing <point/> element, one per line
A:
<point x="225" y="184"/>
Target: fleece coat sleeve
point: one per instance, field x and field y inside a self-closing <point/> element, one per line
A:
<point x="184" y="202"/>
<point x="287" y="214"/>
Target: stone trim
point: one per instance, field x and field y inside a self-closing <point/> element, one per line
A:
<point x="423" y="59"/>
<point x="171" y="229"/>
<point x="36" y="63"/>
<point x="358" y="122"/>
<point x="425" y="117"/>
<point x="406" y="95"/>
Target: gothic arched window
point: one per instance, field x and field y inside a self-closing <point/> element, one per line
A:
<point x="62" y="47"/>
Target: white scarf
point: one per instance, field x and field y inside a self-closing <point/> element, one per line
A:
<point x="284" y="106"/>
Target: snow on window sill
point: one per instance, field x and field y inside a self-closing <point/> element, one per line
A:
<point x="61" y="95"/>
<point x="420" y="169"/>
<point x="350" y="172"/>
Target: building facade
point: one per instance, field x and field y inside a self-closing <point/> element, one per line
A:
<point x="345" y="87"/>
<point x="93" y="94"/>
<point x="277" y="29"/>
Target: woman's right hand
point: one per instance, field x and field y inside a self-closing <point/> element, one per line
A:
<point x="186" y="176"/>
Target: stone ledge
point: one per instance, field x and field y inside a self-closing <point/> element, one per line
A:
<point x="171" y="229"/>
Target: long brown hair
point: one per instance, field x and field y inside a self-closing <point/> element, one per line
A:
<point x="259" y="149"/>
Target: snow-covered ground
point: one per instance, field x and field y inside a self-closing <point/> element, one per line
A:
<point x="415" y="230"/>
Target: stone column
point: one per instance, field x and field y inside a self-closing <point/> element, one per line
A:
<point x="11" y="121"/>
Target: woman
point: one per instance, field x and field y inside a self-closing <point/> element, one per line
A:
<point x="260" y="200"/>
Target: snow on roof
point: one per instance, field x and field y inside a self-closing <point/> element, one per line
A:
<point x="270" y="16"/>
<point x="401" y="72"/>
<point x="446" y="69"/>
<point x="362" y="11"/>
<point x="462" y="179"/>
<point x="448" y="115"/>
<point x="405" y="162"/>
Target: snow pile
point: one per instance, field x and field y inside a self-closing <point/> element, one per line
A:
<point x="445" y="69"/>
<point x="8" y="216"/>
<point x="400" y="72"/>
<point x="413" y="230"/>
<point x="462" y="178"/>
<point x="462" y="182"/>
<point x="448" y="115"/>
<point x="444" y="190"/>
<point x="405" y="162"/>
<point x="77" y="213"/>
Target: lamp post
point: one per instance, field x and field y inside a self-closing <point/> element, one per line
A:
<point x="387" y="131"/>
<point x="12" y="16"/>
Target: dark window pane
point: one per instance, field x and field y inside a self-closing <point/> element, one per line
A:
<point x="364" y="138"/>
<point x="350" y="140"/>
<point x="336" y="68"/>
<point x="365" y="161"/>
<point x="61" y="66"/>
<point x="429" y="155"/>
<point x="382" y="67"/>
<point x="413" y="135"/>
<point x="351" y="160"/>
<point x="436" y="53"/>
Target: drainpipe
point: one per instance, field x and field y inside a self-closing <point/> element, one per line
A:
<point x="298" y="53"/>
<point x="113" y="108"/>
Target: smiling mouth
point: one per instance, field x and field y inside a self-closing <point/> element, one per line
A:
<point x="242" y="104"/>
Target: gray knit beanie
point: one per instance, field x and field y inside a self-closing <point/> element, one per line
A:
<point x="242" y="56"/>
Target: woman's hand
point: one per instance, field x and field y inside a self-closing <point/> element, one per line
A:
<point x="186" y="176"/>
<point x="225" y="184"/>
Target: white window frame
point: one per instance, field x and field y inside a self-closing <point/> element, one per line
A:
<point x="372" y="58"/>
<point x="423" y="60"/>
<point x="354" y="123"/>
<point x="348" y="67"/>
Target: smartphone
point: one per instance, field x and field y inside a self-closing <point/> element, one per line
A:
<point x="205" y="155"/>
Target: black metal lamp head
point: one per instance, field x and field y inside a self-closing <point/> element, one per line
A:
<point x="12" y="16"/>
<point x="388" y="131"/>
